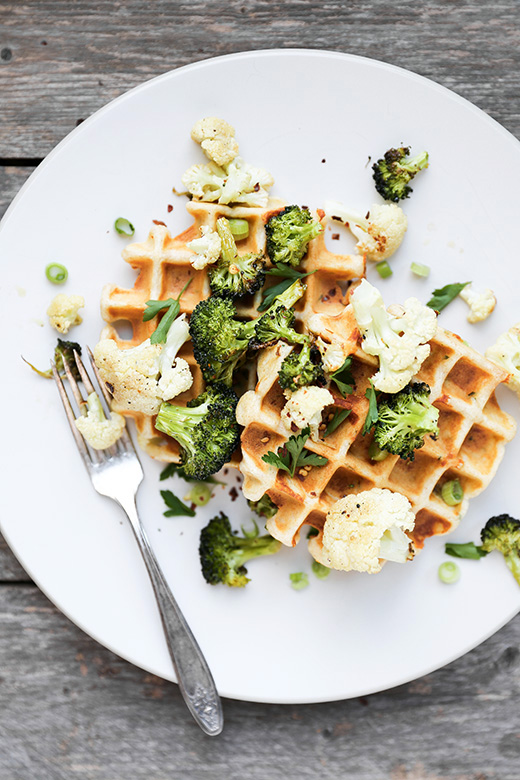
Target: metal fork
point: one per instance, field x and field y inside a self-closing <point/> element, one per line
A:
<point x="117" y="473"/>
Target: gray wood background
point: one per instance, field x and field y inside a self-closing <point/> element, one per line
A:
<point x="68" y="707"/>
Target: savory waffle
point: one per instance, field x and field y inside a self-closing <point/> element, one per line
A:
<point x="472" y="433"/>
<point x="163" y="266"/>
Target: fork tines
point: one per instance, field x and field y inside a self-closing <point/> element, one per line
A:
<point x="124" y="443"/>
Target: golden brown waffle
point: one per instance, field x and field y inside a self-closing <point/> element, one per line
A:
<point x="473" y="432"/>
<point x="163" y="266"/>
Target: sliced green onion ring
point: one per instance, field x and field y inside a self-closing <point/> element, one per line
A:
<point x="376" y="453"/>
<point x="319" y="570"/>
<point x="56" y="273"/>
<point x="239" y="228"/>
<point x="420" y="270"/>
<point x="200" y="494"/>
<point x="452" y="492"/>
<point x="449" y="572"/>
<point x="383" y="269"/>
<point x="124" y="227"/>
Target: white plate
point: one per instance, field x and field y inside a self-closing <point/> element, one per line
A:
<point x="342" y="637"/>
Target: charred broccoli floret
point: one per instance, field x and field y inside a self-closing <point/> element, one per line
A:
<point x="404" y="419"/>
<point x="302" y="368"/>
<point x="206" y="430"/>
<point x="223" y="555"/>
<point x="502" y="533"/>
<point x="63" y="349"/>
<point x="235" y="275"/>
<point x="288" y="234"/>
<point x="394" y="171"/>
<point x="275" y="325"/>
<point x="219" y="340"/>
<point x="263" y="507"/>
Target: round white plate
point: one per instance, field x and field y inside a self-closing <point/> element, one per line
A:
<point x="313" y="119"/>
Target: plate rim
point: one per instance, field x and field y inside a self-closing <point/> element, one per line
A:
<point x="172" y="73"/>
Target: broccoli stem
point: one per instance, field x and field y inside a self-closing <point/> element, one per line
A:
<point x="513" y="562"/>
<point x="248" y="548"/>
<point x="179" y="422"/>
<point x="229" y="248"/>
<point x="289" y="297"/>
<point x="414" y="164"/>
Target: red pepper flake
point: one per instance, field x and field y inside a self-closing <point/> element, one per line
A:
<point x="170" y="208"/>
<point x="320" y="213"/>
<point x="333" y="292"/>
<point x="256" y="187"/>
<point x="294" y="427"/>
<point x="324" y="160"/>
<point x="233" y="493"/>
<point x="335" y="236"/>
<point x="158" y="222"/>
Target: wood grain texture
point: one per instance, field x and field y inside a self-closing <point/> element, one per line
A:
<point x="12" y="177"/>
<point x="70" y="708"/>
<point x="60" y="61"/>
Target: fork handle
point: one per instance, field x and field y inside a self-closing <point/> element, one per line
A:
<point x="193" y="674"/>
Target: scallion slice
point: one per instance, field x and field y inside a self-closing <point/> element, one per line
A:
<point x="420" y="270"/>
<point x="239" y="228"/>
<point x="124" y="227"/>
<point x="383" y="269"/>
<point x="56" y="273"/>
<point x="452" y="492"/>
<point x="376" y="453"/>
<point x="449" y="572"/>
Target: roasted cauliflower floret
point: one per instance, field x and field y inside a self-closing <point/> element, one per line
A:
<point x="398" y="339"/>
<point x="99" y="431"/>
<point x="379" y="234"/>
<point x="505" y="352"/>
<point x="207" y="248"/>
<point x="142" y="377"/>
<point x="63" y="311"/>
<point x="480" y="304"/>
<point x="235" y="182"/>
<point x="362" y="530"/>
<point x="216" y="138"/>
<point x="304" y="408"/>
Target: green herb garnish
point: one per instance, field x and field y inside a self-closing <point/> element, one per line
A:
<point x="175" y="505"/>
<point x="467" y="550"/>
<point x="152" y="310"/>
<point x="444" y="295"/>
<point x="289" y="274"/>
<point x="293" y="455"/>
<point x="372" y="414"/>
<point x="343" y="378"/>
<point x="332" y="425"/>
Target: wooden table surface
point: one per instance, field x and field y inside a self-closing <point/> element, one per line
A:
<point x="68" y="707"/>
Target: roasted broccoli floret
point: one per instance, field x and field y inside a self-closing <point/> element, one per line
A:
<point x="206" y="430"/>
<point x="223" y="555"/>
<point x="502" y="533"/>
<point x="235" y="275"/>
<point x="275" y="325"/>
<point x="220" y="341"/>
<point x="288" y="234"/>
<point x="404" y="419"/>
<point x="302" y="368"/>
<point x="395" y="170"/>
<point x="63" y="349"/>
<point x="263" y="507"/>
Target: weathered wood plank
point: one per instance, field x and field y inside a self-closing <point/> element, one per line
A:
<point x="70" y="708"/>
<point x="60" y="61"/>
<point x="11" y="179"/>
<point x="10" y="569"/>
